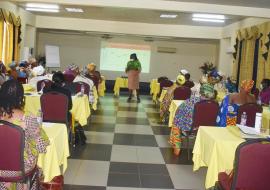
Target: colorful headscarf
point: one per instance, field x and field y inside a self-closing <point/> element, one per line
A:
<point x="207" y="90"/>
<point x="91" y="66"/>
<point x="180" y="79"/>
<point x="247" y="85"/>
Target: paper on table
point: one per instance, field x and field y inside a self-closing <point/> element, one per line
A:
<point x="47" y="124"/>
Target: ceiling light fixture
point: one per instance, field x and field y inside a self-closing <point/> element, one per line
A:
<point x="209" y="16"/>
<point x="75" y="10"/>
<point x="42" y="6"/>
<point x="208" y="20"/>
<point x="42" y="10"/>
<point x="168" y="15"/>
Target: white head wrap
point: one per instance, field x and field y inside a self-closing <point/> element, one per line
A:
<point x="38" y="71"/>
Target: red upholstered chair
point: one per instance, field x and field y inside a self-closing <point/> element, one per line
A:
<point x="94" y="78"/>
<point x="12" y="142"/>
<point x="251" y="109"/>
<point x="205" y="114"/>
<point x="251" y="167"/>
<point x="22" y="80"/>
<point x="45" y="82"/>
<point x="69" y="78"/>
<point x="181" y="93"/>
<point x="78" y="86"/>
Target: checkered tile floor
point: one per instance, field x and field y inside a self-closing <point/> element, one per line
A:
<point x="127" y="150"/>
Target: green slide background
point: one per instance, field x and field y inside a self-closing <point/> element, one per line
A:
<point x="115" y="59"/>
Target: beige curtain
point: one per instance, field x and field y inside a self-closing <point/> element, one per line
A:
<point x="1" y="33"/>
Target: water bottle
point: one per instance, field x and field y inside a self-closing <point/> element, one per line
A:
<point x="82" y="90"/>
<point x="40" y="117"/>
<point x="244" y="118"/>
<point x="258" y="122"/>
<point x="259" y="101"/>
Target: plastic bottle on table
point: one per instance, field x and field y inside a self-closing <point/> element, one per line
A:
<point x="258" y="122"/>
<point x="259" y="101"/>
<point x="244" y="118"/>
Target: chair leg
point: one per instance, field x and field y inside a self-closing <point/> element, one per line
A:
<point x="188" y="151"/>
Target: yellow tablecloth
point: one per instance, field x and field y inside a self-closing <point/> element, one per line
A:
<point x="173" y="107"/>
<point x="28" y="88"/>
<point x="266" y="118"/>
<point x="102" y="87"/>
<point x="94" y="105"/>
<point x="154" y="89"/>
<point x="162" y="95"/>
<point x="120" y="83"/>
<point x="215" y="148"/>
<point x="57" y="152"/>
<point x="80" y="107"/>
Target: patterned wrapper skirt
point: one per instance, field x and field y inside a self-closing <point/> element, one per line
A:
<point x="133" y="79"/>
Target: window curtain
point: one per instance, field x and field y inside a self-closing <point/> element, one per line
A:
<point x="1" y="33"/>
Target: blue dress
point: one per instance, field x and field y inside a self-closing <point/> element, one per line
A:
<point x="227" y="113"/>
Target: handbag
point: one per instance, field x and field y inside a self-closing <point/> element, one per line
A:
<point x="57" y="183"/>
<point x="80" y="138"/>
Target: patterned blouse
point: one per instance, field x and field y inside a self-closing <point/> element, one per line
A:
<point x="36" y="141"/>
<point x="184" y="114"/>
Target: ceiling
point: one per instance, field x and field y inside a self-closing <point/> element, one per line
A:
<point x="244" y="3"/>
<point x="133" y="15"/>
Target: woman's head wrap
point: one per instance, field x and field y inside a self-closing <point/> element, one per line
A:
<point x="207" y="90"/>
<point x="180" y="79"/>
<point x="247" y="85"/>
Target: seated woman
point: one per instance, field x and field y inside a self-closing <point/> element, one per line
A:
<point x="166" y="102"/>
<point x="265" y="91"/>
<point x="184" y="114"/>
<point x="36" y="140"/>
<point x="230" y="104"/>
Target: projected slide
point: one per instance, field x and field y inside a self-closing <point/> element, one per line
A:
<point x="114" y="56"/>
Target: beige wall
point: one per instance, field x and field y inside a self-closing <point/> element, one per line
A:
<point x="84" y="49"/>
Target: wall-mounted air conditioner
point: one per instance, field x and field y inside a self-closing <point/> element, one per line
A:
<point x="166" y="50"/>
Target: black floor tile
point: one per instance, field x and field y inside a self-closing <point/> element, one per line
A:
<point x="101" y="111"/>
<point x="92" y="152"/>
<point x="123" y="180"/>
<point x="134" y="109"/>
<point x="100" y="127"/>
<point x="135" y="140"/>
<point x="122" y="167"/>
<point x="171" y="158"/>
<point x="156" y="181"/>
<point x="81" y="187"/>
<point x="149" y="105"/>
<point x="153" y="169"/>
<point x="153" y="115"/>
<point x="130" y="120"/>
<point x="157" y="130"/>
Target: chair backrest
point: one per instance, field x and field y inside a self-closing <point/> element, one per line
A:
<point x="11" y="147"/>
<point x="181" y="93"/>
<point x="54" y="107"/>
<point x="69" y="78"/>
<point x="205" y="114"/>
<point x="22" y="80"/>
<point x="251" y="109"/>
<point x="252" y="165"/>
<point x="94" y="78"/>
<point x="45" y="82"/>
<point x="78" y="86"/>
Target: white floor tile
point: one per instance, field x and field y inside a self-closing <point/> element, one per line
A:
<point x="72" y="170"/>
<point x="103" y="119"/>
<point x="150" y="155"/>
<point x="162" y="140"/>
<point x="183" y="177"/>
<point x="92" y="173"/>
<point x="126" y="188"/>
<point x="99" y="137"/>
<point x="122" y="153"/>
<point x="133" y="129"/>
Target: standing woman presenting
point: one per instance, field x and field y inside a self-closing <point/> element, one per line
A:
<point x="133" y="71"/>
